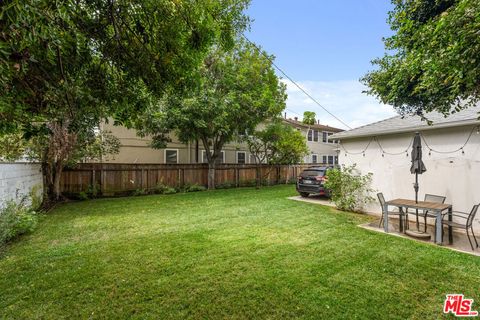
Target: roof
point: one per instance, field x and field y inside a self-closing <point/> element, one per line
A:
<point x="403" y="124"/>
<point x="312" y="126"/>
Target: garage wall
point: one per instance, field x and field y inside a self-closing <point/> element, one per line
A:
<point x="18" y="179"/>
<point x="454" y="175"/>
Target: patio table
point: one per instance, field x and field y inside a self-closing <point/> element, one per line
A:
<point x="433" y="207"/>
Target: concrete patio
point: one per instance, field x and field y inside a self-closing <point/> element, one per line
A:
<point x="460" y="240"/>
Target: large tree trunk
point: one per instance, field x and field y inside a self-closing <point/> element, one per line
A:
<point x="47" y="184"/>
<point x="57" y="191"/>
<point x="211" y="175"/>
<point x="258" y="176"/>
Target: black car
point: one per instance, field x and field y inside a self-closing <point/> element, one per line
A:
<point x="311" y="181"/>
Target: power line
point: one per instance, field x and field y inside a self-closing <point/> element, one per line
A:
<point x="293" y="81"/>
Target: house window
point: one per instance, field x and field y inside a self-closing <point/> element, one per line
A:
<point x="220" y="159"/>
<point x="330" y="141"/>
<point x="315" y="135"/>
<point x="330" y="160"/>
<point x="310" y="135"/>
<point x="241" y="157"/>
<point x="314" y="158"/>
<point x="324" y="136"/>
<point x="324" y="159"/>
<point x="171" y="156"/>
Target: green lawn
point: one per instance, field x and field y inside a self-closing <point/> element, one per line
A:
<point x="238" y="253"/>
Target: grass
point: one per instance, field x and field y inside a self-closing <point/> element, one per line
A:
<point x="239" y="254"/>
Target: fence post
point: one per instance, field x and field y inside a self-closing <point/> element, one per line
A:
<point x="237" y="178"/>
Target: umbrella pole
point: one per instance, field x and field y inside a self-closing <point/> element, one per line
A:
<point x="416" y="197"/>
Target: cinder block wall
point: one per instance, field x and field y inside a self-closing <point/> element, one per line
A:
<point x="18" y="179"/>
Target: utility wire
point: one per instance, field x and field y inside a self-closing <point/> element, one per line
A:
<point x="296" y="84"/>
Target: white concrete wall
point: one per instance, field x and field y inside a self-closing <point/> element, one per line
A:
<point x="18" y="179"/>
<point x="456" y="176"/>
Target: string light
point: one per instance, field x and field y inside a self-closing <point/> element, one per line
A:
<point x="430" y="149"/>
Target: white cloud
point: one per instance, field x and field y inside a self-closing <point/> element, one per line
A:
<point x="342" y="98"/>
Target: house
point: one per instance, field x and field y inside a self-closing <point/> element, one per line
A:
<point x="451" y="153"/>
<point x="135" y="149"/>
<point x="322" y="148"/>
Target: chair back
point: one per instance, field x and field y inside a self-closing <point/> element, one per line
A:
<point x="434" y="198"/>
<point x="472" y="215"/>
<point x="381" y="198"/>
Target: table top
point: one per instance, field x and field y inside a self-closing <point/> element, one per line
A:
<point x="407" y="203"/>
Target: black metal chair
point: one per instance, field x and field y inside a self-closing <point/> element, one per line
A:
<point x="400" y="213"/>
<point x="466" y="222"/>
<point x="424" y="213"/>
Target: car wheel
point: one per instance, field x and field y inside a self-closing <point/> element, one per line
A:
<point x="304" y="194"/>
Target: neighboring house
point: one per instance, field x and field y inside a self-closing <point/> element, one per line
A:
<point x="322" y="148"/>
<point x="451" y="153"/>
<point x="135" y="149"/>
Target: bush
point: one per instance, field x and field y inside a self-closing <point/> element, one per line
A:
<point x="350" y="191"/>
<point x="160" y="188"/>
<point x="16" y="219"/>
<point x="194" y="188"/>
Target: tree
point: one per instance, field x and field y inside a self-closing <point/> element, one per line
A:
<point x="309" y="117"/>
<point x="433" y="61"/>
<point x="238" y="89"/>
<point x="66" y="65"/>
<point x="277" y="143"/>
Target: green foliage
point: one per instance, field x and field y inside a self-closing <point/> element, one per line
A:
<point x="161" y="188"/>
<point x="16" y="219"/>
<point x="12" y="147"/>
<point x="278" y="143"/>
<point x="349" y="190"/>
<point x="309" y="117"/>
<point x="433" y="60"/>
<point x="140" y="192"/>
<point x="194" y="188"/>
<point x="67" y="65"/>
<point x="238" y="89"/>
<point x="36" y="197"/>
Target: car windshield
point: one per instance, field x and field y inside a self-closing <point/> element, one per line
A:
<point x="313" y="173"/>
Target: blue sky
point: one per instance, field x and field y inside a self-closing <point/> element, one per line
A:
<point x="325" y="46"/>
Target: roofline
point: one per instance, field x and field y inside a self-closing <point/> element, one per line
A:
<point x="344" y="135"/>
<point x="316" y="125"/>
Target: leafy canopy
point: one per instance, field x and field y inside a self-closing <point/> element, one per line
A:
<point x="238" y="89"/>
<point x="277" y="143"/>
<point x="309" y="117"/>
<point x="433" y="59"/>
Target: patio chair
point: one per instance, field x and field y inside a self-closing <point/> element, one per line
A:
<point x="400" y="214"/>
<point x="424" y="213"/>
<point x="466" y="222"/>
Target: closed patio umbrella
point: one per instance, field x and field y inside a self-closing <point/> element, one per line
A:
<point x="418" y="167"/>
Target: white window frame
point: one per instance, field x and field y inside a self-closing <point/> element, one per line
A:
<point x="236" y="157"/>
<point x="204" y="156"/>
<point x="309" y="137"/>
<point x="316" y="157"/>
<point x="165" y="155"/>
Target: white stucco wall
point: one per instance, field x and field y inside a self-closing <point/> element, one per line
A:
<point x="18" y="179"/>
<point x="454" y="175"/>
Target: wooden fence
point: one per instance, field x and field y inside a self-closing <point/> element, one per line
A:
<point x="114" y="179"/>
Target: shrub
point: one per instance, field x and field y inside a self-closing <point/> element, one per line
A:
<point x="160" y="188"/>
<point x="16" y="219"/>
<point x="169" y="190"/>
<point x="194" y="188"/>
<point x="349" y="189"/>
<point x="140" y="192"/>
